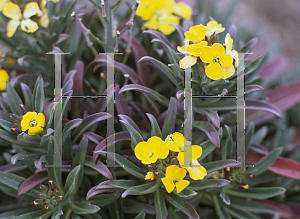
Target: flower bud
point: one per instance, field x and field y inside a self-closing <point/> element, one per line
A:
<point x="238" y="181"/>
<point x="249" y="175"/>
<point x="52" y="184"/>
<point x="50" y="192"/>
<point x="54" y="202"/>
<point x="48" y="207"/>
<point x="159" y="173"/>
<point x="231" y="178"/>
<point x="227" y="172"/>
<point x="42" y="196"/>
<point x="23" y="109"/>
<point x="56" y="191"/>
<point x="14" y="117"/>
<point x="60" y="198"/>
<point x="174" y="160"/>
<point x="38" y="203"/>
<point x="244" y="186"/>
<point x="43" y="188"/>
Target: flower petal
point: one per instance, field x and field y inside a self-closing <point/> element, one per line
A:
<point x="206" y="55"/>
<point x="29" y="26"/>
<point x="196" y="33"/>
<point x="173" y="146"/>
<point x="228" y="72"/>
<point x="145" y="10"/>
<point x="217" y="49"/>
<point x="197" y="173"/>
<point x="31" y="8"/>
<point x="4" y="77"/>
<point x="214" y="71"/>
<point x="152" y="23"/>
<point x="140" y="150"/>
<point x="183" y="10"/>
<point x="170" y="171"/>
<point x="159" y="145"/>
<point x="34" y="130"/>
<point x="11" y="28"/>
<point x="187" y="62"/>
<point x="178" y="138"/>
<point x="179" y="174"/>
<point x="226" y="60"/>
<point x="3" y="4"/>
<point x="40" y="119"/>
<point x="44" y="20"/>
<point x="196" y="151"/>
<point x="164" y="23"/>
<point x="181" y="185"/>
<point x="213" y="27"/>
<point x="170" y="186"/>
<point x="12" y="11"/>
<point x="235" y="55"/>
<point x="228" y="43"/>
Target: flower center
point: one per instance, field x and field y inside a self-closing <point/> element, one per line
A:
<point x="217" y="59"/>
<point x="32" y="123"/>
<point x="150" y="154"/>
<point x="159" y="13"/>
<point x="181" y="148"/>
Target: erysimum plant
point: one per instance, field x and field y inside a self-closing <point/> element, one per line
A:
<point x="147" y="168"/>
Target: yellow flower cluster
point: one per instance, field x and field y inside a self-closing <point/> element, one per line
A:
<point x="200" y="46"/>
<point x="13" y="11"/>
<point x="160" y="14"/>
<point x="155" y="148"/>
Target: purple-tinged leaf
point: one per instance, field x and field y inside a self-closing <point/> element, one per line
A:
<point x="27" y="95"/>
<point x="84" y="208"/>
<point x="284" y="210"/>
<point x="220" y="164"/>
<point x="39" y="163"/>
<point x="119" y="137"/>
<point x="56" y="50"/>
<point x="274" y="68"/>
<point x="214" y="117"/>
<point x="71" y="125"/>
<point x="61" y="38"/>
<point x="180" y="32"/>
<point x="179" y="94"/>
<point x="253" y="88"/>
<point x="27" y="77"/>
<point x="209" y="130"/>
<point x="9" y="168"/>
<point x="78" y="87"/>
<point x="68" y="86"/>
<point x="21" y="60"/>
<point x="69" y="76"/>
<point x="118" y="184"/>
<point x="232" y="31"/>
<point x="93" y="137"/>
<point x="120" y="102"/>
<point x="207" y="184"/>
<point x="139" y="52"/>
<point x="141" y="189"/>
<point x="257" y="117"/>
<point x="103" y="60"/>
<point x="94" y="191"/>
<point x="32" y="182"/>
<point x="249" y="46"/>
<point x="88" y="122"/>
<point x="160" y="98"/>
<point x="100" y="168"/>
<point x="158" y="35"/>
<point x="130" y="122"/>
<point x="182" y="205"/>
<point x="139" y="109"/>
<point x="17" y="157"/>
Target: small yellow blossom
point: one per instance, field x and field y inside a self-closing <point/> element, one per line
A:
<point x="174" y="178"/>
<point x="13" y="11"/>
<point x="160" y="14"/>
<point x="179" y="144"/>
<point x="150" y="176"/>
<point x="213" y="27"/>
<point x="43" y="14"/>
<point x="217" y="58"/>
<point x="196" y="33"/>
<point x="195" y="170"/>
<point x="33" y="122"/>
<point x="3" y="4"/>
<point x="4" y="77"/>
<point x="148" y="152"/>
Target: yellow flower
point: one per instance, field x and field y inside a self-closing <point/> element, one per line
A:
<point x="217" y="59"/>
<point x="150" y="176"/>
<point x="195" y="170"/>
<point x="174" y="178"/>
<point x="233" y="53"/>
<point x="179" y="144"/>
<point x="213" y="27"/>
<point x="43" y="14"/>
<point x="33" y="122"/>
<point x="148" y="152"/>
<point x="160" y="14"/>
<point x="13" y="11"/>
<point x="3" y="3"/>
<point x="4" y="77"/>
<point x="196" y="33"/>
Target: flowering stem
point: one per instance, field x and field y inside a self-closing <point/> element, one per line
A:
<point x="108" y="28"/>
<point x="117" y="41"/>
<point x="129" y="26"/>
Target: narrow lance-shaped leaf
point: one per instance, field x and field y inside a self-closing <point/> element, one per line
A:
<point x="209" y="130"/>
<point x="38" y="97"/>
<point x="221" y="212"/>
<point x="84" y="207"/>
<point x="32" y="182"/>
<point x="36" y="214"/>
<point x="141" y="189"/>
<point x="257" y="193"/>
<point x="155" y="130"/>
<point x="169" y="123"/>
<point x="160" y="205"/>
<point x="135" y="135"/>
<point x="220" y="164"/>
<point x="13" y="99"/>
<point x="70" y="182"/>
<point x="207" y="184"/>
<point x="228" y="150"/>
